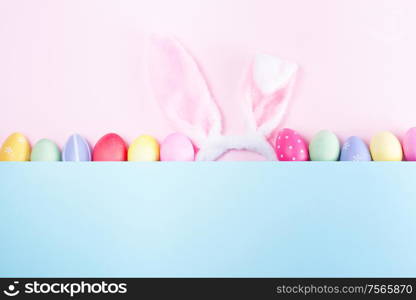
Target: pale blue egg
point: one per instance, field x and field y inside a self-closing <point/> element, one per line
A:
<point x="355" y="149"/>
<point x="76" y="149"/>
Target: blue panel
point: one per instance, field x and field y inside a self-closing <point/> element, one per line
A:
<point x="208" y="219"/>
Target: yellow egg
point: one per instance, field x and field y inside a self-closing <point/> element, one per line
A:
<point x="144" y="148"/>
<point x="15" y="148"/>
<point x="385" y="146"/>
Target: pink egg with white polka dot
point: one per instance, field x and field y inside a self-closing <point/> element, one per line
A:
<point x="290" y="146"/>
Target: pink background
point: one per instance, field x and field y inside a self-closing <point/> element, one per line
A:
<point x="78" y="66"/>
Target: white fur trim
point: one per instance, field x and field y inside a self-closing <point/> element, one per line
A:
<point x="215" y="146"/>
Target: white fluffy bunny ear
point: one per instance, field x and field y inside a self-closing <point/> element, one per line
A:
<point x="181" y="90"/>
<point x="270" y="86"/>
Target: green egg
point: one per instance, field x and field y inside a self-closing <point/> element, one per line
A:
<point x="45" y="150"/>
<point x="324" y="146"/>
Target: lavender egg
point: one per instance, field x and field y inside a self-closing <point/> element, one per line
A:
<point x="76" y="149"/>
<point x="355" y="149"/>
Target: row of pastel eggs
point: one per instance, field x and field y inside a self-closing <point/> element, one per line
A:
<point x="325" y="146"/>
<point x="290" y="146"/>
<point x="111" y="147"/>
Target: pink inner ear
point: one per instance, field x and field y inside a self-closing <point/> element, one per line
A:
<point x="270" y="85"/>
<point x="181" y="90"/>
<point x="270" y="106"/>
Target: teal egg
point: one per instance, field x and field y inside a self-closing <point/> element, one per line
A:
<point x="324" y="146"/>
<point x="45" y="150"/>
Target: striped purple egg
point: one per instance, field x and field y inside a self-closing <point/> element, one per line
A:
<point x="76" y="149"/>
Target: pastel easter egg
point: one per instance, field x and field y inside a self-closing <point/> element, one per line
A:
<point x="111" y="147"/>
<point x="15" y="148"/>
<point x="144" y="148"/>
<point x="409" y="144"/>
<point x="324" y="146"/>
<point x="355" y="149"/>
<point x="385" y="146"/>
<point x="76" y="149"/>
<point x="177" y="147"/>
<point x="45" y="150"/>
<point x="290" y="146"/>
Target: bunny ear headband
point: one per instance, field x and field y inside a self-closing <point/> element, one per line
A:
<point x="182" y="92"/>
